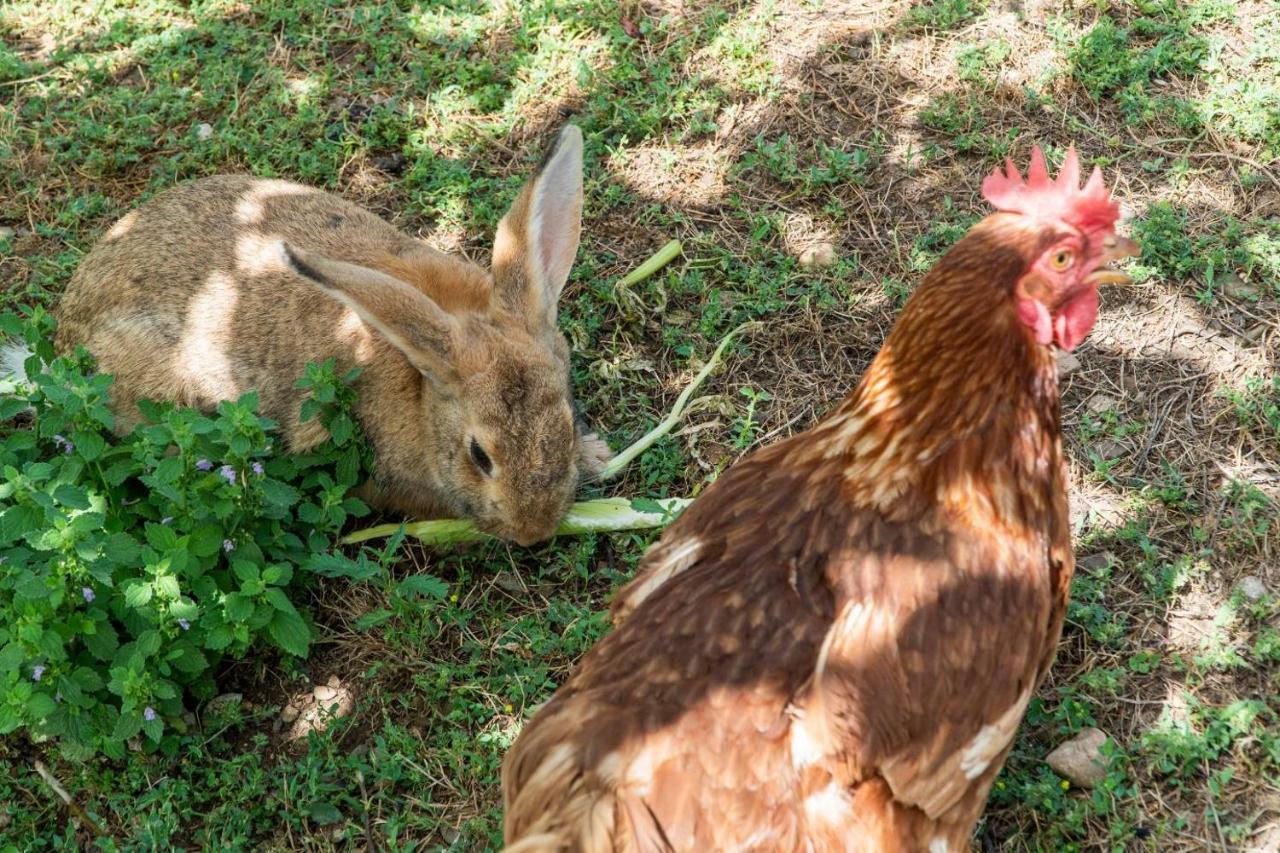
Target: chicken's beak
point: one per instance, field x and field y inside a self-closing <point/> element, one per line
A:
<point x="1114" y="248"/>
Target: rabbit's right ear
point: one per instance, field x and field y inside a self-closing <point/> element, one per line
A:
<point x="536" y="241"/>
<point x="406" y="317"/>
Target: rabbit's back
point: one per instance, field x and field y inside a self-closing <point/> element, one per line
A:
<point x="189" y="298"/>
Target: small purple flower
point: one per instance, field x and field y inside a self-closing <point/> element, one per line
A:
<point x="228" y="472"/>
<point x="257" y="467"/>
<point x="89" y="594"/>
<point x="148" y="713"/>
<point x="37" y="671"/>
<point x="184" y="624"/>
<point x="228" y="545"/>
<point x="204" y="465"/>
<point x="68" y="447"/>
<point x="64" y="443"/>
<point x="166" y="519"/>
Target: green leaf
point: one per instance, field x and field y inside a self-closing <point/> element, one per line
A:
<point x="277" y="574"/>
<point x="129" y="724"/>
<point x="324" y="814"/>
<point x="167" y="587"/>
<point x="278" y="494"/>
<point x="168" y="470"/>
<point x="89" y="445"/>
<point x="277" y="599"/>
<point x="17" y="521"/>
<point x="425" y="586"/>
<point x="153" y="729"/>
<point x="137" y="594"/>
<point x="88" y="680"/>
<point x="121" y="549"/>
<point x="647" y="505"/>
<point x="338" y="566"/>
<point x="238" y="607"/>
<point x="245" y="570"/>
<point x="290" y="632"/>
<point x="161" y="537"/>
<point x="71" y="496"/>
<point x="206" y="540"/>
<point x="103" y="642"/>
<point x="348" y="468"/>
<point x="11" y="407"/>
<point x="119" y="471"/>
<point x="341" y="429"/>
<point x="190" y="660"/>
<point x="40" y="705"/>
<point x="240" y="445"/>
<point x="148" y="643"/>
<point x="372" y="619"/>
<point x="218" y="638"/>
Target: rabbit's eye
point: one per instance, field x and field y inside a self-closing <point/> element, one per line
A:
<point x="482" y="460"/>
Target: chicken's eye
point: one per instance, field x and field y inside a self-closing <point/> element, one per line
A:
<point x="481" y="459"/>
<point x="1062" y="259"/>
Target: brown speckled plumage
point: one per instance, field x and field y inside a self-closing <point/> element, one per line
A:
<point x="833" y="647"/>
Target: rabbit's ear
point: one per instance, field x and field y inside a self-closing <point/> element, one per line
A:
<point x="405" y="316"/>
<point x="538" y="238"/>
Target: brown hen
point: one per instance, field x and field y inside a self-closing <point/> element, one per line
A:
<point x="833" y="647"/>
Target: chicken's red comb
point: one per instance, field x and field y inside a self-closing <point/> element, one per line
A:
<point x="1089" y="208"/>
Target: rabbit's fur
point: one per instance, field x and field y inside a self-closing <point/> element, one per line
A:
<point x="233" y="283"/>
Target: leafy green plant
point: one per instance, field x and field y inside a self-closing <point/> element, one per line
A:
<point x="129" y="567"/>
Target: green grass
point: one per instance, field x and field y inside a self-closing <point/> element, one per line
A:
<point x="432" y="113"/>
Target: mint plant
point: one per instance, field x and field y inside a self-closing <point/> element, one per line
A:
<point x="130" y="567"/>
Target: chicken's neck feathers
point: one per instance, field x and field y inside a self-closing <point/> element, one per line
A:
<point x="937" y="414"/>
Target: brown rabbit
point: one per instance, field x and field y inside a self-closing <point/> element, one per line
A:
<point x="233" y="283"/>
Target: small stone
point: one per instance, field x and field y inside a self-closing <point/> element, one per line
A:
<point x="391" y="164"/>
<point x="1100" y="403"/>
<point x="319" y="708"/>
<point x="334" y="682"/>
<point x="508" y="582"/>
<point x="1068" y="363"/>
<point x="289" y="713"/>
<point x="1108" y="449"/>
<point x="1080" y="760"/>
<point x="204" y="131"/>
<point x="7" y="233"/>
<point x="1237" y="288"/>
<point x="1252" y="588"/>
<point x="818" y="257"/>
<point x="1097" y="562"/>
<point x="222" y="704"/>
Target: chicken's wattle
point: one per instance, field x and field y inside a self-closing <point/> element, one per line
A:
<point x="1075" y="319"/>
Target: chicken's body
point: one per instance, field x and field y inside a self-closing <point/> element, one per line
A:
<point x="833" y="647"/>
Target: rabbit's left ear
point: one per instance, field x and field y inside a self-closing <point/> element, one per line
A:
<point x="536" y="241"/>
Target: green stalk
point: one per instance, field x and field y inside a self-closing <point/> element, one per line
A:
<point x="623" y="459"/>
<point x="605" y="515"/>
<point x="657" y="261"/>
